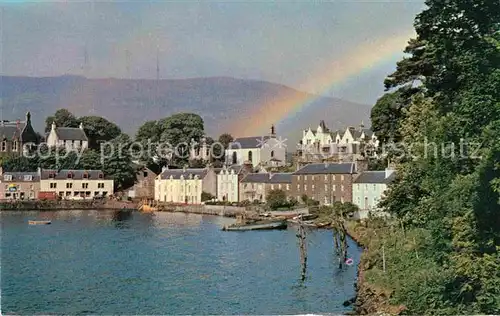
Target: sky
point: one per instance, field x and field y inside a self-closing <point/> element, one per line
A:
<point x="286" y="42"/>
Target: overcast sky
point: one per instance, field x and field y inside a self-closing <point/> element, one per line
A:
<point x="284" y="42"/>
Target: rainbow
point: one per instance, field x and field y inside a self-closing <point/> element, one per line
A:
<point x="362" y="59"/>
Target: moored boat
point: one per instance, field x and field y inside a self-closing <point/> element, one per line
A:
<point x="262" y="225"/>
<point x="39" y="222"/>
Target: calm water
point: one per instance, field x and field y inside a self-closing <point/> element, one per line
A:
<point x="92" y="262"/>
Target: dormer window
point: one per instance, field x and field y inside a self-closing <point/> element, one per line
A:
<point x="28" y="177"/>
<point x="85" y="175"/>
<point x="52" y="175"/>
<point x="70" y="175"/>
<point x="101" y="176"/>
<point x="7" y="177"/>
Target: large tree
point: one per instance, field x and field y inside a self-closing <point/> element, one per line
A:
<point x="62" y="118"/>
<point x="450" y="193"/>
<point x="99" y="130"/>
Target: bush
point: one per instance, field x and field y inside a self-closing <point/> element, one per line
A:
<point x="205" y="196"/>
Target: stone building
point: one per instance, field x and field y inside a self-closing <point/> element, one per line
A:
<point x="14" y="136"/>
<point x="326" y="182"/>
<point x="256" y="186"/>
<point x="144" y="186"/>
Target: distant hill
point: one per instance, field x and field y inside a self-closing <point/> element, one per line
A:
<point x="218" y="100"/>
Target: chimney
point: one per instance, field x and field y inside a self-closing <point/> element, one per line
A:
<point x="388" y="172"/>
<point x="28" y="118"/>
<point x="81" y="125"/>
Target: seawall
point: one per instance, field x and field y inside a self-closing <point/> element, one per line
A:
<point x="44" y="205"/>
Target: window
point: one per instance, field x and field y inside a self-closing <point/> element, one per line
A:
<point x="53" y="185"/>
<point x="272" y="186"/>
<point x="326" y="188"/>
<point x="145" y="174"/>
<point x="305" y="178"/>
<point x="288" y="187"/>
<point x="250" y="156"/>
<point x="14" y="146"/>
<point x="305" y="187"/>
<point x="28" y="177"/>
<point x="52" y="175"/>
<point x="70" y="175"/>
<point x="272" y="153"/>
<point x="100" y="176"/>
<point x="81" y="143"/>
<point x="342" y="178"/>
<point x="69" y="185"/>
<point x="85" y="185"/>
<point x="342" y="188"/>
<point x="235" y="160"/>
<point x="333" y="177"/>
<point x="313" y="178"/>
<point x="4" y="145"/>
<point x="312" y="187"/>
<point x="100" y="185"/>
<point x="334" y="188"/>
<point x="7" y="177"/>
<point x="326" y="177"/>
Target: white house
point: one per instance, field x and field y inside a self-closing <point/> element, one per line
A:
<point x="368" y="190"/>
<point x="76" y="184"/>
<point x="228" y="180"/>
<point x="71" y="138"/>
<point x="185" y="185"/>
<point x="259" y="150"/>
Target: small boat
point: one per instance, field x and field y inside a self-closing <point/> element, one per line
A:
<point x="39" y="222"/>
<point x="262" y="225"/>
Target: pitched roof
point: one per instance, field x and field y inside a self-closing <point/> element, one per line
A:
<point x="248" y="142"/>
<point x="281" y="178"/>
<point x="19" y="176"/>
<point x="235" y="168"/>
<point x="11" y="130"/>
<point x="71" y="133"/>
<point x="374" y="177"/>
<point x="327" y="168"/>
<point x="77" y="174"/>
<point x="186" y="173"/>
<point x="268" y="178"/>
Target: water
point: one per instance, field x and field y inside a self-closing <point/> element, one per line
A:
<point x="90" y="262"/>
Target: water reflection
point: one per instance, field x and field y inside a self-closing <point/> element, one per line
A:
<point x="122" y="218"/>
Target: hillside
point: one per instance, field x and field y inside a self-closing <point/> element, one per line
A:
<point x="129" y="103"/>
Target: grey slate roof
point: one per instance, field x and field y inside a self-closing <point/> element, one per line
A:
<point x="77" y="174"/>
<point x="327" y="168"/>
<point x="71" y="133"/>
<point x="247" y="142"/>
<point x="374" y="177"/>
<point x="256" y="177"/>
<point x="281" y="178"/>
<point x="10" y="131"/>
<point x="268" y="178"/>
<point x="19" y="176"/>
<point x="186" y="173"/>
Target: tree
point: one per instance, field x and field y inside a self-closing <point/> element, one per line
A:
<point x="276" y="199"/>
<point x="219" y="150"/>
<point x="62" y="118"/>
<point x="117" y="162"/>
<point x="20" y="164"/>
<point x="99" y="130"/>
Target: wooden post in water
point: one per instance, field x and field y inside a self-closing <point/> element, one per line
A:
<point x="303" y="249"/>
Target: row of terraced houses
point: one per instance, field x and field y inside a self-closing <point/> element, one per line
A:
<point x="247" y="176"/>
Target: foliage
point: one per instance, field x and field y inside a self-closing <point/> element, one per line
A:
<point x="450" y="194"/>
<point x="62" y="118"/>
<point x="276" y="199"/>
<point x="205" y="196"/>
<point x="98" y="130"/>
